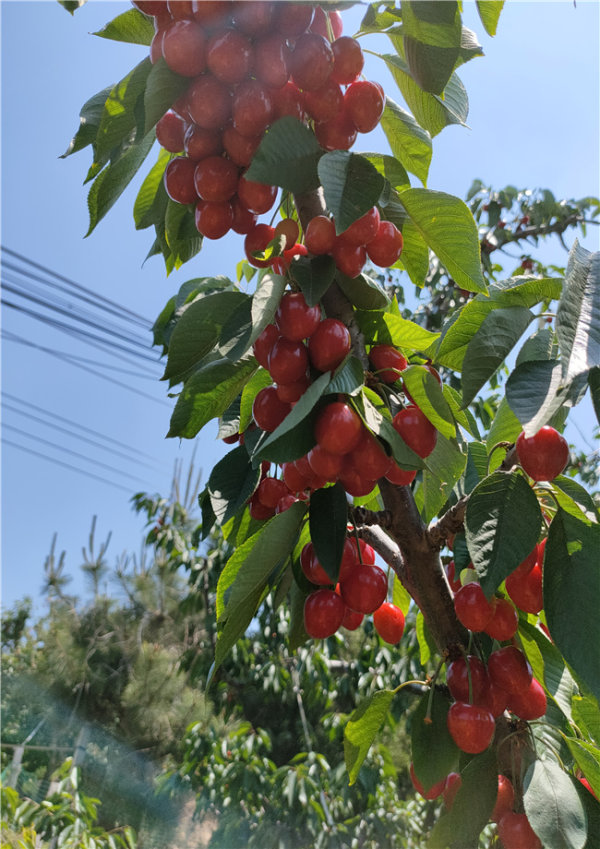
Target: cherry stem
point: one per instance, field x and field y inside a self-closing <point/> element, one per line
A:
<point x="408" y="684"/>
<point x="427" y="718"/>
<point x="497" y="445"/>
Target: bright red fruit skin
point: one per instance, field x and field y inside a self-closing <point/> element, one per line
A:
<point x="504" y="800"/>
<point x="288" y="100"/>
<point x="268" y="410"/>
<point x="364" y="103"/>
<point x="209" y="102"/>
<point x="264" y="344"/>
<point x="457" y="678"/>
<point x="213" y="218"/>
<point x="319" y="237"/>
<point x="349" y="258"/>
<point x="385" y="249"/>
<point x="433" y="792"/>
<point x="294" y="479"/>
<point x="354" y="484"/>
<point x="509" y="669"/>
<point x="451" y="788"/>
<point x="257" y="197"/>
<point x="258" y="510"/>
<point x="364" y="229"/>
<point x="348" y="60"/>
<point x="329" y="344"/>
<point x="229" y="56"/>
<point x="398" y="476"/>
<point x="544" y="455"/>
<point x="387" y="361"/>
<point x="184" y="48"/>
<point x="295" y="319"/>
<point x="200" y="143"/>
<point x="252" y="18"/>
<point x="471" y="727"/>
<point x="529" y="704"/>
<point x="365" y="588"/>
<point x="472" y="608"/>
<point x="292" y="392"/>
<point x="179" y="180"/>
<point x="515" y="832"/>
<point x="311" y="567"/>
<point x="240" y="149"/>
<point x="324" y="464"/>
<point x="416" y="430"/>
<point x="504" y="622"/>
<point x="525" y="590"/>
<point x="325" y="103"/>
<point x="244" y="221"/>
<point x="270" y="491"/>
<point x="352" y="619"/>
<point x="389" y="623"/>
<point x="252" y="108"/>
<point x="369" y="459"/>
<point x="216" y="179"/>
<point x="338" y="428"/>
<point x="256" y="241"/>
<point x="288" y="361"/>
<point x="339" y="133"/>
<point x="170" y="131"/>
<point x="323" y="613"/>
<point x="293" y="18"/>
<point x="311" y="62"/>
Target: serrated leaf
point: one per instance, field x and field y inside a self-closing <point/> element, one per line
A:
<point x="431" y="41"/>
<point x="574" y="499"/>
<point x="434" y="752"/>
<point x="207" y="394"/>
<point x="586" y="715"/>
<point x="407" y="334"/>
<point x="502" y="525"/>
<point x="288" y="157"/>
<point x="550" y="669"/>
<point x="231" y="483"/>
<point x="151" y="200"/>
<point x="163" y="87"/>
<point x="362" y="728"/>
<point x="587" y="757"/>
<point x="463" y="417"/>
<point x="363" y="292"/>
<point x="489" y="12"/>
<point x="132" y="27"/>
<point x="89" y="121"/>
<point x="328" y="517"/>
<point x="314" y="276"/>
<point x="490" y="345"/>
<point x="532" y="393"/>
<point x="570" y="583"/>
<point x="445" y="466"/>
<point x="553" y="806"/>
<point x="409" y="142"/>
<point x="505" y="427"/>
<point x="351" y="185"/>
<point x="347" y="378"/>
<point x="578" y="313"/>
<point x="390" y="168"/>
<point x="428" y="395"/>
<point x="415" y="253"/>
<point x="119" y="117"/>
<point x="400" y="596"/>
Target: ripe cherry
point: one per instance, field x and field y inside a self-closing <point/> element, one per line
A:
<point x="451" y="787"/>
<point x="515" y="832"/>
<point x="268" y="411"/>
<point x="240" y="149"/>
<point x="329" y="344"/>
<point x="353" y="482"/>
<point x="216" y="179"/>
<point x="292" y="392"/>
<point x="288" y="100"/>
<point x="389" y="622"/>
<point x="416" y="430"/>
<point x="213" y="219"/>
<point x="324" y="103"/>
<point x="471" y="727"/>
<point x="457" y="678"/>
<point x="294" y="318"/>
<point x="211" y="13"/>
<point x="525" y="589"/>
<point x="528" y="704"/>
<point x="365" y="588"/>
<point x="292" y="19"/>
<point x="288" y="361"/>
<point x="272" y="58"/>
<point x="398" y="476"/>
<point x="352" y="619"/>
<point x="472" y="608"/>
<point x="311" y="62"/>
<point x="264" y="343"/>
<point x="285" y="503"/>
<point x="369" y="459"/>
<point x="349" y="258"/>
<point x="504" y="622"/>
<point x="150" y="7"/>
<point x="258" y="510"/>
<point x="338" y="428"/>
<point x="256" y="242"/>
<point x="364" y="229"/>
<point x="170" y="130"/>
<point x="288" y="228"/>
<point x="324" y="464"/>
<point x="434" y="791"/>
<point x="244" y="221"/>
<point x="319" y="23"/>
<point x="509" y="669"/>
<point x="209" y="102"/>
<point x="179" y="180"/>
<point x="257" y="197"/>
<point x="270" y="491"/>
<point x="544" y="455"/>
<point x="319" y="237"/>
<point x="385" y="249"/>
<point x="311" y="567"/>
<point x="200" y="143"/>
<point x="184" y="48"/>
<point x="323" y="613"/>
<point x="252" y="108"/>
<point x="253" y="18"/>
<point x="504" y="800"/>
<point x="365" y="103"/>
<point x="454" y="582"/>
<point x="180" y="9"/>
<point x="348" y="60"/>
<point x="293" y="477"/>
<point x="339" y="133"/>
<point x="387" y="362"/>
<point x="229" y="56"/>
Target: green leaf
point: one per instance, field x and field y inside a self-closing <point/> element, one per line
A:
<point x="489" y="12"/>
<point x="586" y="715"/>
<point x="288" y="157"/>
<point x="181" y="235"/>
<point x="390" y="168"/>
<point x="472" y="806"/>
<point x="432" y="35"/>
<point x="490" y="345"/>
<point x="415" y="253"/>
<point x="400" y="596"/>
<point x="428" y="395"/>
<point x="259" y="380"/>
<point x="363" y="292"/>
<point x="408" y="335"/>
<point x="462" y="417"/>
<point x="409" y="142"/>
<point x="231" y="483"/>
<point x="119" y="117"/>
<point x="313" y="276"/>
<point x="587" y="758"/>
<point x="502" y="525"/>
<point x="110" y="184"/>
<point x="571" y="583"/>
<point x="532" y="393"/>
<point x="574" y="499"/>
<point x="196" y="333"/>
<point x="553" y="806"/>
<point x="163" y="87"/>
<point x="151" y="202"/>
<point x="89" y="121"/>
<point x="207" y="394"/>
<point x="351" y="184"/>
<point x="132" y="26"/>
<point x="347" y="378"/>
<point x="445" y="466"/>
<point x="382" y="427"/>
<point x="549" y="668"/>
<point x="594" y="384"/>
<point x="447" y="226"/>
<point x="434" y="752"/>
<point x="426" y="645"/>
<point x="362" y="728"/>
<point x="328" y="517"/>
<point x="72" y="5"/>
<point x="505" y="428"/>
<point x="578" y="314"/>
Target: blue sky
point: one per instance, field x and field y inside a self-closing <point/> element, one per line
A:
<point x="533" y="122"/>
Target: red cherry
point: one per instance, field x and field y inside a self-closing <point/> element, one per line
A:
<point x="454" y="582"/>
<point x="216" y="179"/>
<point x="530" y="703"/>
<point x="305" y="469"/>
<point x="353" y="482"/>
<point x="515" y="832"/>
<point x="270" y="491"/>
<point x="348" y="60"/>
<point x="256" y="241"/>
<point x="170" y="131"/>
<point x="209" y="102"/>
<point x="200" y="143"/>
<point x="385" y="249"/>
<point x="349" y="258"/>
<point x="285" y="503"/>
<point x="293" y="477"/>
<point x="288" y="361"/>
<point x="495" y="699"/>
<point x="369" y="459"/>
<point x="365" y="588"/>
<point x="587" y="786"/>
<point x="150" y="7"/>
<point x="398" y="476"/>
<point x="352" y="619"/>
<point x="311" y="567"/>
<point x="268" y="411"/>
<point x="288" y="228"/>
<point x="180" y="9"/>
<point x="240" y="149"/>
<point x="349" y="558"/>
<point x="364" y="229"/>
<point x="253" y="18"/>
<point x="179" y="180"/>
<point x="338" y="428"/>
<point x="433" y="792"/>
<point x="288" y="100"/>
<point x="184" y="48"/>
<point x="323" y="613"/>
<point x="472" y="608"/>
<point x="324" y="103"/>
<point x="264" y="343"/>
<point x="504" y="622"/>
<point x="544" y="455"/>
<point x="156" y="45"/>
<point x="509" y="669"/>
<point x="213" y="219"/>
<point x="329" y="344"/>
<point x="294" y="318"/>
<point x="451" y="788"/>
<point x="324" y="464"/>
<point x="416" y="430"/>
<point x="457" y="678"/>
<point x="319" y="24"/>
<point x="319" y="237"/>
<point x="387" y="362"/>
<point x="364" y="104"/>
<point x="252" y="108"/>
<point x="257" y="197"/>
<point x="259" y="511"/>
<point x="271" y="65"/>
<point x="211" y="13"/>
<point x="339" y="133"/>
<point x="525" y="590"/>
<point x="389" y="622"/>
<point x="292" y="19"/>
<point x="311" y="62"/>
<point x="471" y="727"/>
<point x="229" y="56"/>
<point x="504" y="800"/>
<point x="244" y="221"/>
<point x="292" y="392"/>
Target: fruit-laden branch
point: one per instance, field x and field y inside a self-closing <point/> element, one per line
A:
<point x="421" y="571"/>
<point x="558" y="227"/>
<point x="451" y="522"/>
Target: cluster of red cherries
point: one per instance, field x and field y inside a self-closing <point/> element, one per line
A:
<point x="248" y="65"/>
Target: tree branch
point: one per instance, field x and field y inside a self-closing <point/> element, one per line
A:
<point x="451" y="522"/>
